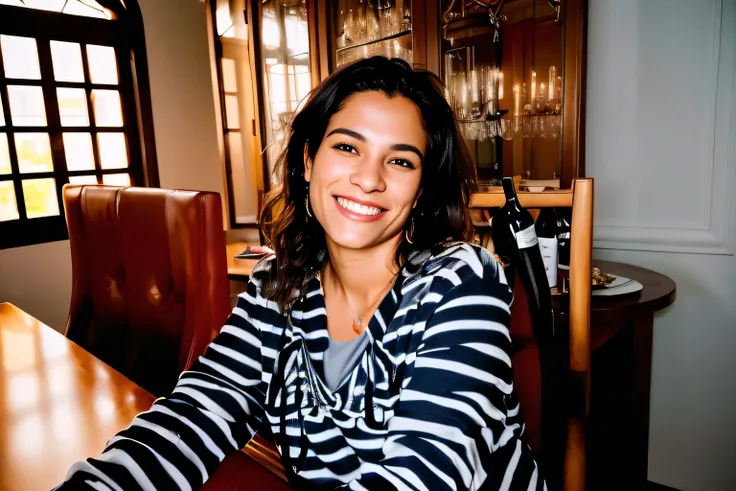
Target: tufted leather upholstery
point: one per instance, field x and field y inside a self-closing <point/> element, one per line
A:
<point x="150" y="287"/>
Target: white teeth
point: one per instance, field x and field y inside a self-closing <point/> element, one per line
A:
<point x="358" y="208"/>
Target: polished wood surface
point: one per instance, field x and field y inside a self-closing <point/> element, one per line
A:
<point x="621" y="346"/>
<point x="239" y="268"/>
<point x="59" y="404"/>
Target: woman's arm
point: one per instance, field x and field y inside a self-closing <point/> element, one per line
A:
<point x="457" y="423"/>
<point x="215" y="409"/>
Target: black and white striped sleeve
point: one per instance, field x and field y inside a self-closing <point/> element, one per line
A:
<point x="456" y="426"/>
<point x="215" y="409"/>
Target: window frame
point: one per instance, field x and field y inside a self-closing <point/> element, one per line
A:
<point x="118" y="33"/>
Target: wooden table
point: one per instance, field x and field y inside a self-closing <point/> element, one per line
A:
<point x="239" y="268"/>
<point x="59" y="404"/>
<point x="621" y="344"/>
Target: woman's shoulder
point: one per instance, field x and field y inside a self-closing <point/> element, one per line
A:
<point x="467" y="262"/>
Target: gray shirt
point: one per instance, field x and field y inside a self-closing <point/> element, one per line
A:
<point x="341" y="358"/>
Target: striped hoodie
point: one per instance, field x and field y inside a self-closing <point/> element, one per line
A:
<point x="429" y="406"/>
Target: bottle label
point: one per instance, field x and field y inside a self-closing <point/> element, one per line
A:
<point x="549" y="256"/>
<point x="526" y="238"/>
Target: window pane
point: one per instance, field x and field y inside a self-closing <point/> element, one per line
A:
<point x="116" y="179"/>
<point x="72" y="107"/>
<point x="87" y="8"/>
<point x="26" y="105"/>
<point x="4" y="154"/>
<point x="8" y="206"/>
<point x="231" y="112"/>
<point x="229" y="81"/>
<point x="20" y="57"/>
<point x="107" y="108"/>
<point x="78" y="151"/>
<point x="40" y="197"/>
<point x="52" y="5"/>
<point x="67" y="59"/>
<point x="103" y="68"/>
<point x="82" y="179"/>
<point x="2" y="114"/>
<point x="34" y="152"/>
<point x="113" y="153"/>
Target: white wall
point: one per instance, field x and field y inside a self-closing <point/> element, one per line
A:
<point x="661" y="144"/>
<point x="38" y="278"/>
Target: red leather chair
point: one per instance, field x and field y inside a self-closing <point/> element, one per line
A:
<point x="150" y="287"/>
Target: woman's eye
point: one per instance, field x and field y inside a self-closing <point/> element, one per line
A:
<point x="344" y="147"/>
<point x="403" y="163"/>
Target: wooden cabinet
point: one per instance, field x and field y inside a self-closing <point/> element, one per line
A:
<point x="538" y="139"/>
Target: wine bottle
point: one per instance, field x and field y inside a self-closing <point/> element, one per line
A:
<point x="546" y="228"/>
<point x="514" y="234"/>
<point x="513" y="226"/>
<point x="564" y="220"/>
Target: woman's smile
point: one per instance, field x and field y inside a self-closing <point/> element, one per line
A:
<point x="359" y="210"/>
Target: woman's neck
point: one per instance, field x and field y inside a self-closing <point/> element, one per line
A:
<point x="361" y="274"/>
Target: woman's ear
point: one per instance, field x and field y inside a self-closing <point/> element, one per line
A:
<point x="307" y="163"/>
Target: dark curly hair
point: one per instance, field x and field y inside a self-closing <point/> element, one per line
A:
<point x="448" y="173"/>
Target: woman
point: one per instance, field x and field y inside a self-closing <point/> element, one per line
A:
<point x="375" y="343"/>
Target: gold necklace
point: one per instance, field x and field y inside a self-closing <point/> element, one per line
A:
<point x="357" y="320"/>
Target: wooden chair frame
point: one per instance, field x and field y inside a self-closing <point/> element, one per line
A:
<point x="580" y="199"/>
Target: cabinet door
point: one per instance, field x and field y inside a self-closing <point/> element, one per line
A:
<point x="358" y="29"/>
<point x="285" y="70"/>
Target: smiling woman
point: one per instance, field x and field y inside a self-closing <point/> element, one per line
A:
<point x="374" y="345"/>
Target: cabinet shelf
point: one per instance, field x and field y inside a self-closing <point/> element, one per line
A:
<point x="374" y="41"/>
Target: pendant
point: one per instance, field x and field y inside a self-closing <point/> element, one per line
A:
<point x="356" y="325"/>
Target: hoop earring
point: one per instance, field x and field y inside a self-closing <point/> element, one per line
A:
<point x="306" y="205"/>
<point x="408" y="234"/>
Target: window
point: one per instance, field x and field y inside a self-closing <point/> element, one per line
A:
<point x="68" y="111"/>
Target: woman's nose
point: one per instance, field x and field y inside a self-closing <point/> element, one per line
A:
<point x="368" y="175"/>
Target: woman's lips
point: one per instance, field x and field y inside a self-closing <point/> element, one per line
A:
<point x="358" y="211"/>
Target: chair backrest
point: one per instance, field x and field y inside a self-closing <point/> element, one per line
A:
<point x="150" y="287"/>
<point x="529" y="372"/>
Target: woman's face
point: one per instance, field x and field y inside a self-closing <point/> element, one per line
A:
<point x="364" y="180"/>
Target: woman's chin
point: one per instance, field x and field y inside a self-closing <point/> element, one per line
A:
<point x="357" y="241"/>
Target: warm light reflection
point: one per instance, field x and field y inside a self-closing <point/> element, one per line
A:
<point x="40" y="197"/>
<point x="78" y="151"/>
<point x="67" y="61"/>
<point x="8" y="205"/>
<point x="20" y="57"/>
<point x="104" y="409"/>
<point x="18" y="350"/>
<point x="59" y="378"/>
<point x="22" y="392"/>
<point x="103" y="68"/>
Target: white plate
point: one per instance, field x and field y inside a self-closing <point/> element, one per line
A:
<point x="620" y="286"/>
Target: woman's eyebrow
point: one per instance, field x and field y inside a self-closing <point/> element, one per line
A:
<point x="347" y="132"/>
